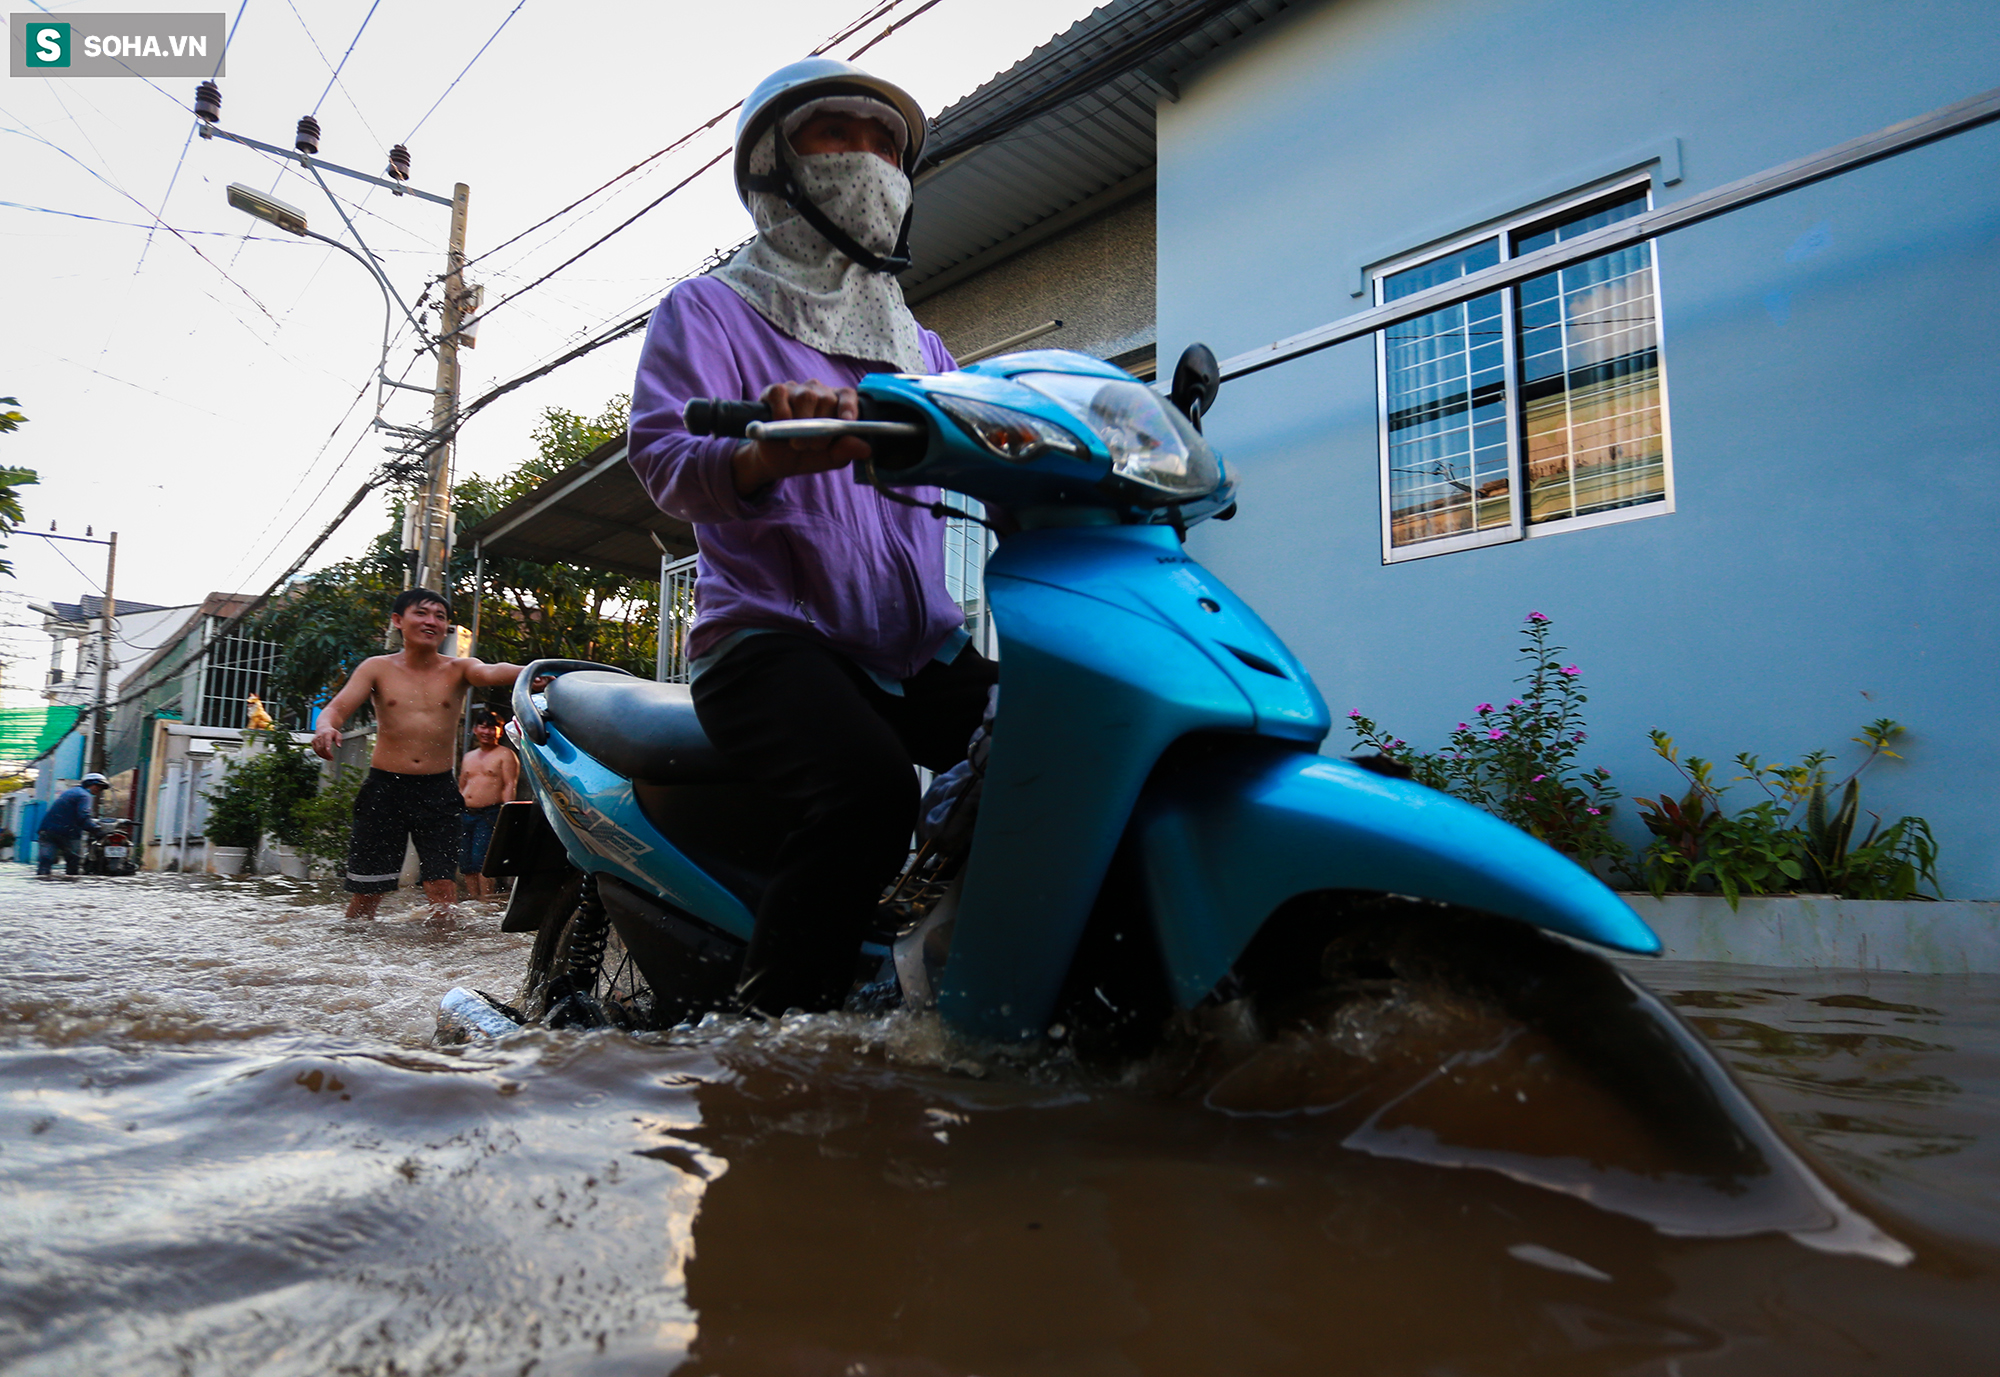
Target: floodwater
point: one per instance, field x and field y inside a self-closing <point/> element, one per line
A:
<point x="228" y="1145"/>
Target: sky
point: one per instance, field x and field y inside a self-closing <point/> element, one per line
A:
<point x="200" y="382"/>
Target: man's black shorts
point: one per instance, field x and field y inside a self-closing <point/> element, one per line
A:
<point x="393" y="808"/>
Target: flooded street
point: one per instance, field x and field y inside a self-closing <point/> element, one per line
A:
<point x="228" y="1145"/>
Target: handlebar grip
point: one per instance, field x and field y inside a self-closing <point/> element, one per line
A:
<point x="720" y="416"/>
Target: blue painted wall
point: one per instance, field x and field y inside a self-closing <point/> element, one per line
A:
<point x="1833" y="411"/>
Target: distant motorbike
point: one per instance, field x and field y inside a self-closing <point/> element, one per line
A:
<point x="108" y="851"/>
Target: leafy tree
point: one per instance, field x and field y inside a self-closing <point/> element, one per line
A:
<point x="534" y="611"/>
<point x="11" y="480"/>
<point x="331" y="620"/>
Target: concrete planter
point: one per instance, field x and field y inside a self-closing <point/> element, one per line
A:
<point x="227" y="860"/>
<point x="1954" y="937"/>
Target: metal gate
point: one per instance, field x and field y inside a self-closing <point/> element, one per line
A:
<point x="676" y="619"/>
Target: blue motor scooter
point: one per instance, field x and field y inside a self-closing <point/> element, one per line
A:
<point x="1152" y="780"/>
<point x="1156" y="859"/>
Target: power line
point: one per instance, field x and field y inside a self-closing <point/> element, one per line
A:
<point x="181" y="161"/>
<point x="649" y="158"/>
<point x="853" y="27"/>
<point x="600" y="240"/>
<point x="623" y="329"/>
<point x="142" y="206"/>
<point x="87" y="580"/>
<point x="332" y="474"/>
<point x="135" y="224"/>
<point x="468" y="67"/>
<point x="255" y="604"/>
<point x="918" y="13"/>
<point x="343" y="58"/>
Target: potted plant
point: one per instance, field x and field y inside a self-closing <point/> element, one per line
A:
<point x="235" y="821"/>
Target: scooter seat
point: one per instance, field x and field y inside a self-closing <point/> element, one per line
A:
<point x="641" y="729"/>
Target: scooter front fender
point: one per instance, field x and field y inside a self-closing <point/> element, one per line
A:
<point x="1224" y="842"/>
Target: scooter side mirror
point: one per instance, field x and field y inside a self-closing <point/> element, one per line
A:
<point x="1197" y="378"/>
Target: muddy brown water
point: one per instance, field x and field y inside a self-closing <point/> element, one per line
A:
<point x="228" y="1145"/>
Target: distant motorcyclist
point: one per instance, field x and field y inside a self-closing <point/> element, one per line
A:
<point x="828" y="656"/>
<point x="63" y="826"/>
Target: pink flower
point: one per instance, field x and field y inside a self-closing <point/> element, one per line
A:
<point x="1594" y="812"/>
<point x="1536" y="617"/>
<point x="1515" y="703"/>
<point x="1496" y="735"/>
<point x="1483" y="708"/>
<point x="1462" y="727"/>
<point x="1538" y="779"/>
<point x="1354" y="712"/>
<point x="1578" y="737"/>
<point x="1571" y="670"/>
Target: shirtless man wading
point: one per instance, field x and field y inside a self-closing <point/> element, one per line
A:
<point x="411" y="793"/>
<point x="486" y="779"/>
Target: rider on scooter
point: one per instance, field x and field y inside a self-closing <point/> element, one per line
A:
<point x="828" y="656"/>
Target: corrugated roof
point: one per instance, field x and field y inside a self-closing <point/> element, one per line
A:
<point x="1067" y="123"/>
<point x="594" y="513"/>
<point x="92" y="607"/>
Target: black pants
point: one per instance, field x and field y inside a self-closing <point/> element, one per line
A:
<point x="808" y="723"/>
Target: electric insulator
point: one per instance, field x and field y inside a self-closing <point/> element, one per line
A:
<point x="208" y="102"/>
<point x="399" y="163"/>
<point x="308" y="140"/>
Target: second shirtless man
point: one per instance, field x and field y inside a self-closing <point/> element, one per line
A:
<point x="411" y="794"/>
<point x="486" y="779"/>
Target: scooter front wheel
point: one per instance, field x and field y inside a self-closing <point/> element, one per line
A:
<point x="543" y="905"/>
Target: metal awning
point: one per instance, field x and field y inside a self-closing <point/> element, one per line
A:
<point x="1065" y="132"/>
<point x="593" y="513"/>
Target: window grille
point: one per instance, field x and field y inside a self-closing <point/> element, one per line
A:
<point x="235" y="667"/>
<point x="966" y="546"/>
<point x="676" y="619"/>
<point x="1551" y="392"/>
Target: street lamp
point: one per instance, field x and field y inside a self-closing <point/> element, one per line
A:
<point x="433" y="539"/>
<point x="287" y="218"/>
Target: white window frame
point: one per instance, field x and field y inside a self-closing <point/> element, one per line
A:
<point x="1518" y="527"/>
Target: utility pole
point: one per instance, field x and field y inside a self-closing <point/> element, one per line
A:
<point x="432" y="528"/>
<point x="97" y="758"/>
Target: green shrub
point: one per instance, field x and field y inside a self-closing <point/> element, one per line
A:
<point x="1770" y="847"/>
<point x="235" y="812"/>
<point x="265" y="794"/>
<point x="289" y="778"/>
<point x="1519" y="762"/>
<point x="326" y="820"/>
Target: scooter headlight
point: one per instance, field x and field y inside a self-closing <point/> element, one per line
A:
<point x="1014" y="435"/>
<point x="1151" y="444"/>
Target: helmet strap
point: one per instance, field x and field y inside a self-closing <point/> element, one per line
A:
<point x="784" y="184"/>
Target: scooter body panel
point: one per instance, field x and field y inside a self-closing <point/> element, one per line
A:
<point x="1110" y="657"/>
<point x="1224" y="843"/>
<point x="602" y="828"/>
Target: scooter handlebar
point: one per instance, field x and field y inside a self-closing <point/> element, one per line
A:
<point x="721" y="416"/>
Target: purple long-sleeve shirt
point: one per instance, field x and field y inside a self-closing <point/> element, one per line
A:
<point x="817" y="553"/>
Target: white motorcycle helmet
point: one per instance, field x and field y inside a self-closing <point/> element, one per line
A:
<point x="94" y="778"/>
<point x="808" y="82"/>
